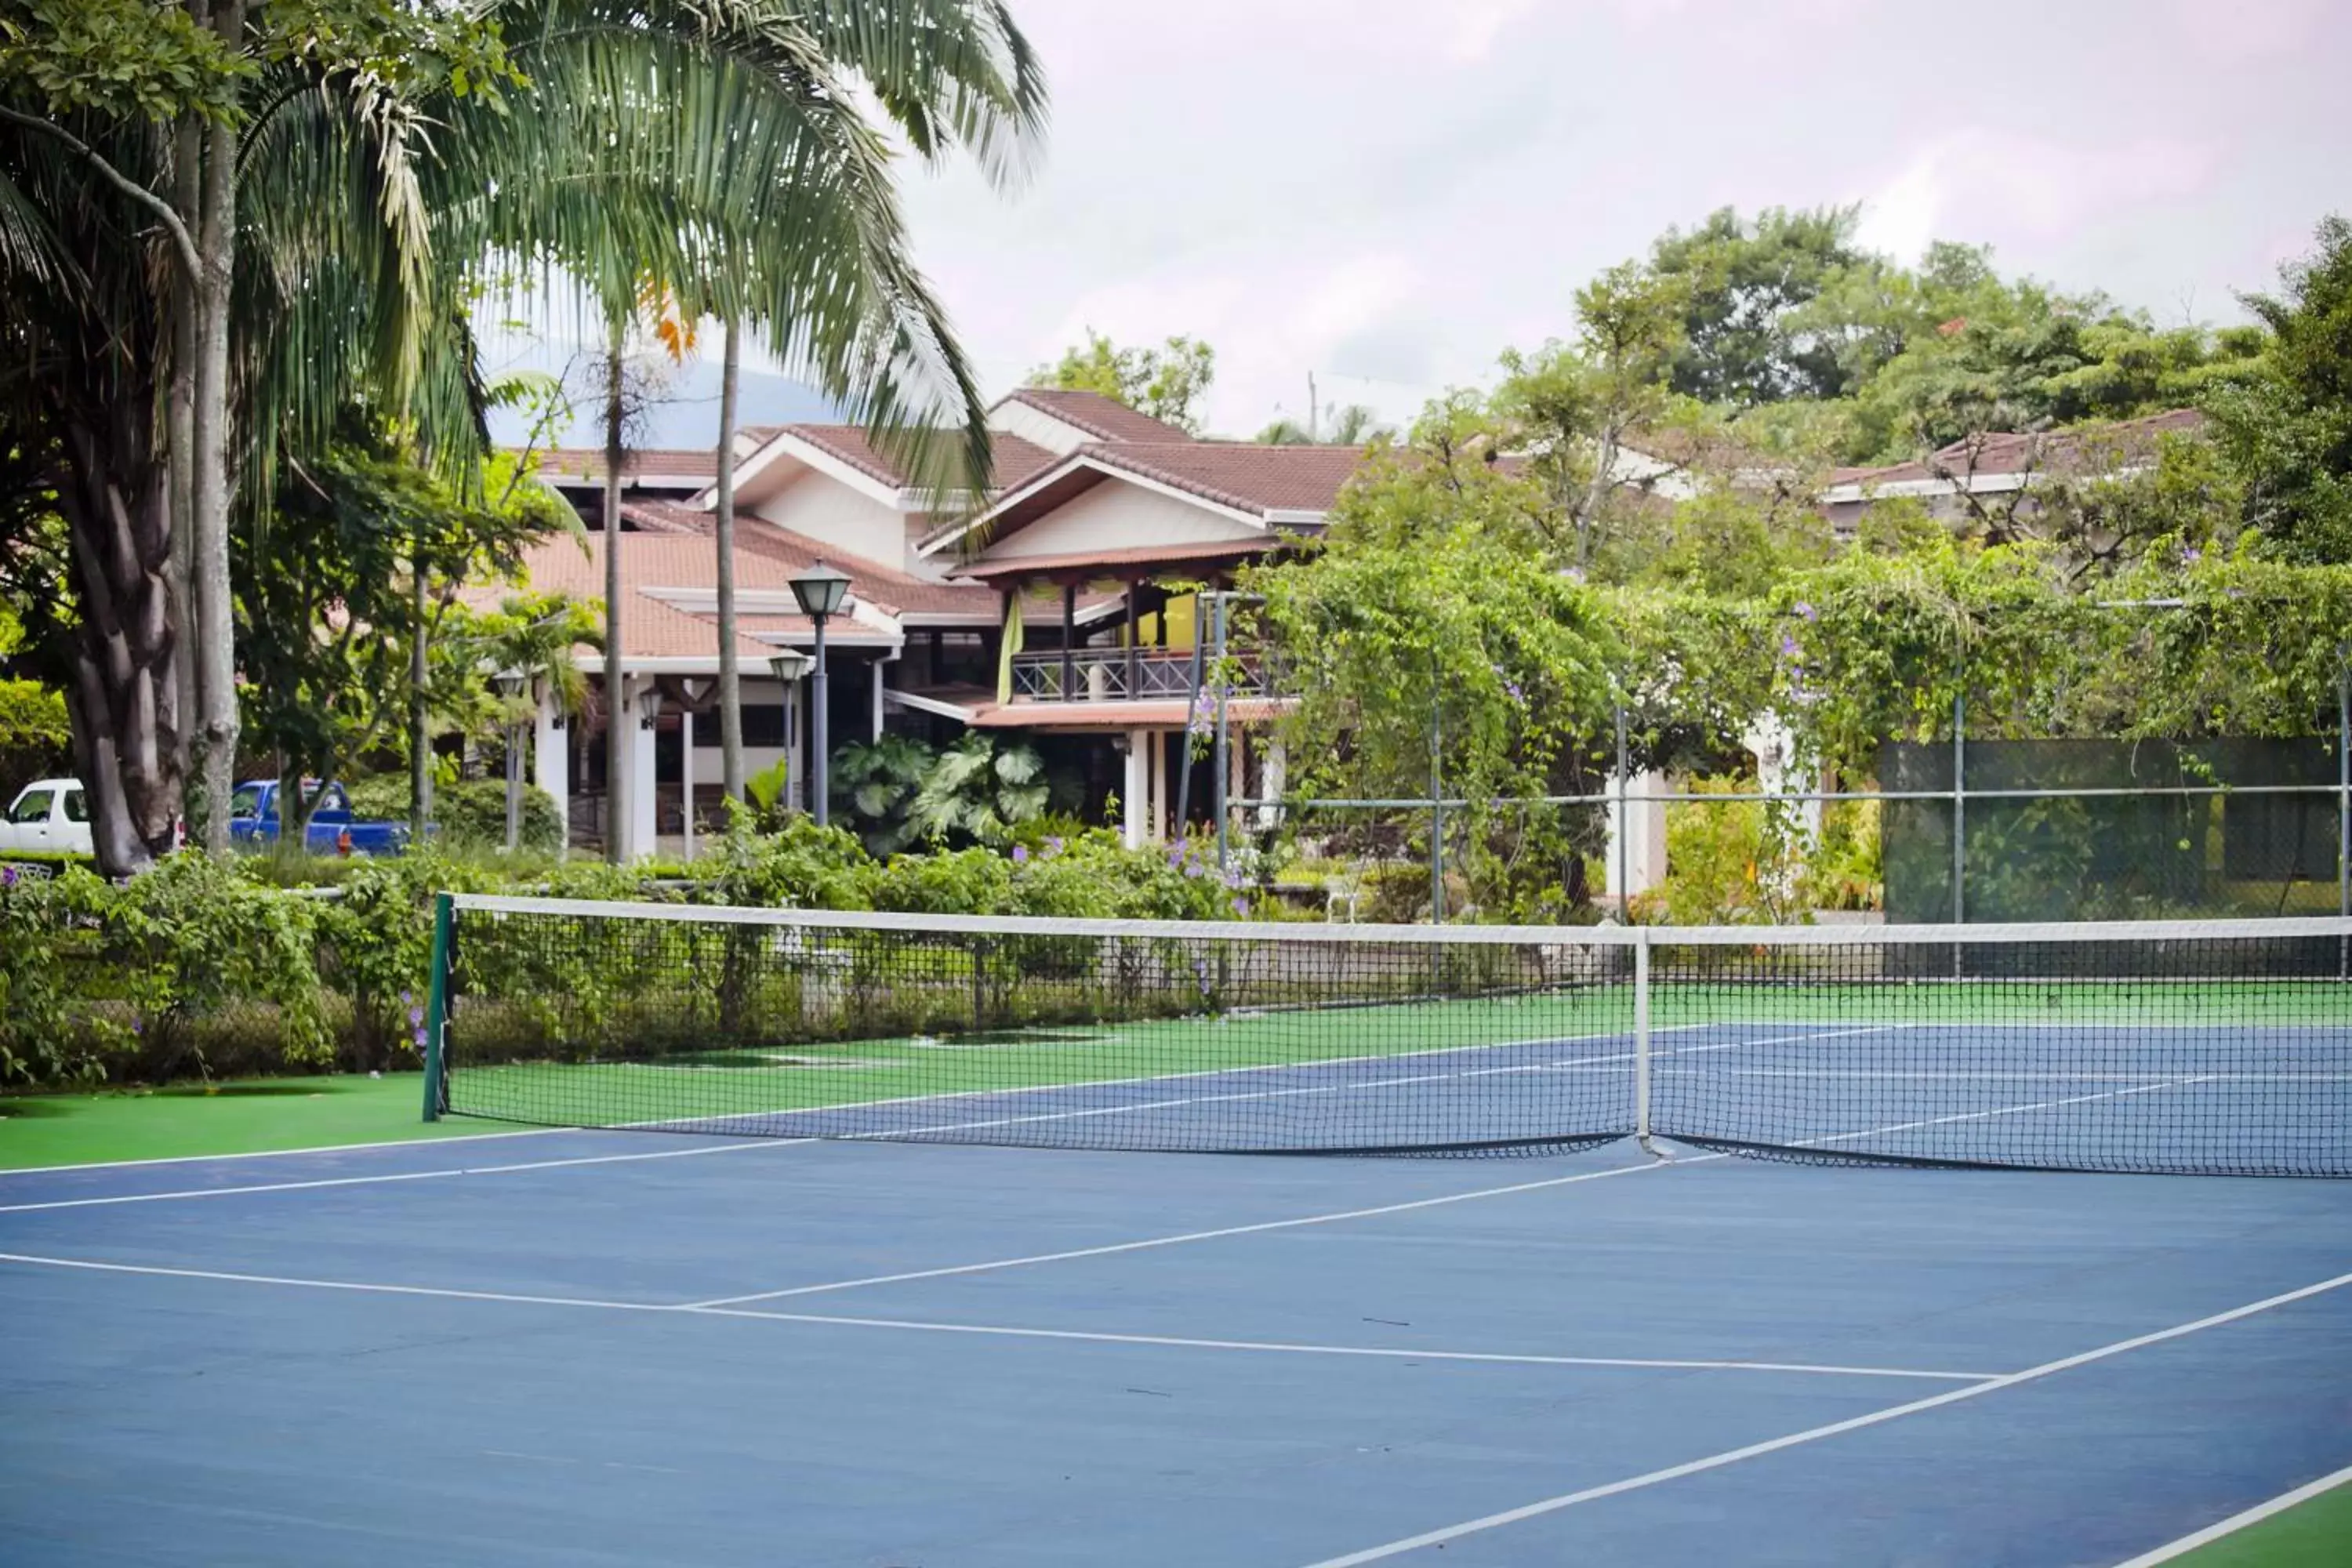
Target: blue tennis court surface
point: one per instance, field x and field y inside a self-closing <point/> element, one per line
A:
<point x="618" y="1348"/>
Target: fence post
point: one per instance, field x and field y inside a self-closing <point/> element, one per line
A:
<point x="436" y="1004"/>
<point x="1642" y="1036"/>
<point x="1624" y="823"/>
<point x="1960" y="810"/>
<point x="2343" y="814"/>
<point x="1436" y="795"/>
<point x="1222" y="754"/>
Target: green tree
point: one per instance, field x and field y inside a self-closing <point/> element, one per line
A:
<point x="978" y="790"/>
<point x="1169" y="382"/>
<point x="2287" y="428"/>
<point x="1353" y="425"/>
<point x="1743" y="286"/>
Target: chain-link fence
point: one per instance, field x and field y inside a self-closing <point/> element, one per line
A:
<point x="1953" y="829"/>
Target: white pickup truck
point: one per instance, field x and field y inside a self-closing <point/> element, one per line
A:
<point x="48" y="816"/>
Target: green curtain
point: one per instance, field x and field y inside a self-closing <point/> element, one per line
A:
<point x="1012" y="646"/>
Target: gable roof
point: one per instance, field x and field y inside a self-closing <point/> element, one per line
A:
<point x="674" y="467"/>
<point x="2003" y="458"/>
<point x="1268" y="486"/>
<point x="1014" y="459"/>
<point x="1099" y="418"/>
<point x="776" y="554"/>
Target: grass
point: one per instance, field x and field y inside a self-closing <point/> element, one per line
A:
<point x="2314" y="1534"/>
<point x="239" y="1118"/>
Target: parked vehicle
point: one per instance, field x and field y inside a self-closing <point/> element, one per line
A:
<point x="50" y="817"/>
<point x="253" y="822"/>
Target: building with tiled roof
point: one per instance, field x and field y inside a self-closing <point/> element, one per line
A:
<point x="2003" y="464"/>
<point x="1061" y="603"/>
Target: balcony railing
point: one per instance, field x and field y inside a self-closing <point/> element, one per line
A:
<point x="1123" y="675"/>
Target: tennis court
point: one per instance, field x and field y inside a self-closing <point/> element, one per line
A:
<point x="887" y="1346"/>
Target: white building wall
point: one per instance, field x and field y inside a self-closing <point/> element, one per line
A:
<point x="818" y="506"/>
<point x="1119" y="516"/>
<point x="1037" y="427"/>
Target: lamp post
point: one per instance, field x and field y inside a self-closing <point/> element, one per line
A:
<point x="788" y="667"/>
<point x="820" y="592"/>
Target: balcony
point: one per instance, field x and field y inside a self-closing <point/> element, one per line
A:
<point x="1124" y="675"/>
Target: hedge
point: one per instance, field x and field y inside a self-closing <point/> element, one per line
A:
<point x="206" y="968"/>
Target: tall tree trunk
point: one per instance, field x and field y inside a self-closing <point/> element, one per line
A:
<point x="730" y="685"/>
<point x="123" y="690"/>
<point x="215" y="757"/>
<point x="180" y="442"/>
<point x="420" y="734"/>
<point x="620" y="744"/>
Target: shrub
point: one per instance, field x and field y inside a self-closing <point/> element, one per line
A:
<point x="35" y="741"/>
<point x="467" y="812"/>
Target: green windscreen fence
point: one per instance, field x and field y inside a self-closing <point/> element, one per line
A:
<point x="2074" y="830"/>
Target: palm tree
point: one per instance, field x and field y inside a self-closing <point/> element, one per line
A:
<point x="327" y="252"/>
<point x="787" y="222"/>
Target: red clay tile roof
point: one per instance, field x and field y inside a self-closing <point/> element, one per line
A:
<point x="763" y="550"/>
<point x="2008" y="452"/>
<point x="1241" y="475"/>
<point x="586" y="464"/>
<point x="1015" y="459"/>
<point x="1014" y="566"/>
<point x="1102" y="419"/>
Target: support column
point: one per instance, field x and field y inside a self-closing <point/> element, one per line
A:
<point x="1135" y="798"/>
<point x="877" y="701"/>
<point x="645" y="820"/>
<point x="686" y="779"/>
<point x="1637" y="836"/>
<point x="1276" y="767"/>
<point x="1155" y="781"/>
<point x="551" y="759"/>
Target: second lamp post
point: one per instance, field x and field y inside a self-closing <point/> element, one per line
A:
<point x="820" y="592"/>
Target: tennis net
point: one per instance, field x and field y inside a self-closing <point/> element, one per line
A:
<point x="2212" y="1046"/>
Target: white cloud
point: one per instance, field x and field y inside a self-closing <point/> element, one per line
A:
<point x="1984" y="184"/>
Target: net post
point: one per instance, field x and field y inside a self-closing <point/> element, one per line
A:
<point x="1641" y="1039"/>
<point x="436" y="1004"/>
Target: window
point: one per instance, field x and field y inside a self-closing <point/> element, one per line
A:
<point x="77" y="808"/>
<point x="34" y="806"/>
<point x="245" y="806"/>
<point x="763" y="725"/>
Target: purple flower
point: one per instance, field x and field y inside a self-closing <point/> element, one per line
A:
<point x="7" y="876"/>
<point x="1020" y="853"/>
<point x="420" y="1039"/>
<point x="1240" y="908"/>
<point x="1194" y="869"/>
<point x="1513" y="687"/>
<point x="1789" y="647"/>
<point x="416" y="1014"/>
<point x="138" y="1026"/>
<point x="406" y="997"/>
<point x="2192" y="555"/>
<point x="1806" y="611"/>
<point x="1053" y="847"/>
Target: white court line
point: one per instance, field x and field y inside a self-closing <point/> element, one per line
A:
<point x="1384" y="1352"/>
<point x="439" y="1175"/>
<point x="2002" y="1110"/>
<point x="1150" y="1242"/>
<point x="434" y="1141"/>
<point x="2238" y="1521"/>
<point x="996" y="1330"/>
<point x="1815" y="1433"/>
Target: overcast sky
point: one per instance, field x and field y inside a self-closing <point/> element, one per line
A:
<point x="1387" y="192"/>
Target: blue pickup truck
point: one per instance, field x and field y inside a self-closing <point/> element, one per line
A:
<point x="253" y="822"/>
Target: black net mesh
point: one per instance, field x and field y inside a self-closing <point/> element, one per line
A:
<point x="2203" y="1048"/>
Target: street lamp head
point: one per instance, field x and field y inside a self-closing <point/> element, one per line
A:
<point x="820" y="590"/>
<point x="507" y="683"/>
<point x="790" y="666"/>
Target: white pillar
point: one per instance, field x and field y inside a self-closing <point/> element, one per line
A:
<point x="1135" y="799"/>
<point x="1777" y="772"/>
<point x="1277" y="765"/>
<point x="1636" y="849"/>
<point x="645" y="820"/>
<point x="686" y="777"/>
<point x="551" y="759"/>
<point x="877" y="701"/>
<point x="1155" y="785"/>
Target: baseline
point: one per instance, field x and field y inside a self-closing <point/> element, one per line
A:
<point x="1452" y="1532"/>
